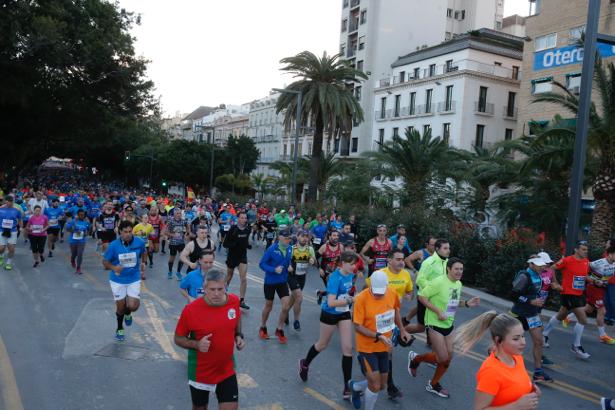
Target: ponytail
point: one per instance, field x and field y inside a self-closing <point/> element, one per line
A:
<point x="498" y="324"/>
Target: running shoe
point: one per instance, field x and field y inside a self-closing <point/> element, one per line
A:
<point x="242" y="304"/>
<point x="128" y="320"/>
<point x="162" y="252"/>
<point x="546" y="342"/>
<point x="151" y="266"/>
<point x="35" y="265"/>
<point x="546" y="361"/>
<point x="178" y="276"/>
<point x="297" y="326"/>
<point x="412" y="367"/>
<point x="8" y="266"/>
<point x="580" y="352"/>
<point x="565" y="322"/>
<point x="303" y="370"/>
<point x="78" y="271"/>
<point x="438" y="390"/>
<point x="394" y="393"/>
<point x="73" y="264"/>
<point x="281" y="338"/>
<point x="119" y="335"/>
<point x="169" y="275"/>
<point x="50" y="254"/>
<point x="262" y="333"/>
<point x="319" y="295"/>
<point x="606" y="339"/>
<point x="355" y="395"/>
<point x="541" y="376"/>
<point x="606" y="404"/>
<point x="42" y="258"/>
<point x="346" y="393"/>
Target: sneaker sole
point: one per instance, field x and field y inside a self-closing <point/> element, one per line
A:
<point x="432" y="391"/>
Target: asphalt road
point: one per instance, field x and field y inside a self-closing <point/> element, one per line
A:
<point x="57" y="349"/>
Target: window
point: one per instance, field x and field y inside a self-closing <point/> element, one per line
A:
<point x="344" y="25"/>
<point x="432" y="70"/>
<point x="343" y="49"/>
<point x="574" y="35"/>
<point x="397" y="105"/>
<point x="300" y="150"/>
<point x="573" y="82"/>
<point x="396" y="132"/>
<point x="383" y="107"/>
<point x="456" y="14"/>
<point x="448" y="102"/>
<point x="412" y="105"/>
<point x="402" y="76"/>
<point x="363" y="16"/>
<point x="411" y="129"/>
<point x="345" y="3"/>
<point x="449" y="65"/>
<point x="497" y="63"/>
<point x="428" y="97"/>
<point x="357" y="92"/>
<point x="426" y="129"/>
<point x="515" y="72"/>
<point x="381" y="136"/>
<point x="510" y="108"/>
<point x="463" y="14"/>
<point x="361" y="42"/>
<point x="360" y="65"/>
<point x="480" y="134"/>
<point x="508" y="133"/>
<point x="482" y="99"/>
<point x="449" y="13"/>
<point x="446" y="132"/>
<point x="285" y="149"/>
<point x="336" y="145"/>
<point x="545" y="42"/>
<point x="354" y="147"/>
<point x="498" y="25"/>
<point x="448" y="36"/>
<point x="541" y="86"/>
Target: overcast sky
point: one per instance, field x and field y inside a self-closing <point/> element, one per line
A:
<point x="207" y="52"/>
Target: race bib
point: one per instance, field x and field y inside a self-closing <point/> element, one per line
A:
<point x="269" y="235"/>
<point x="109" y="224"/>
<point x="345" y="308"/>
<point x="301" y="268"/>
<point x="199" y="291"/>
<point x="451" y="308"/>
<point x="78" y="235"/>
<point x="37" y="228"/>
<point x="53" y="222"/>
<point x="226" y="227"/>
<point x="544" y="294"/>
<point x="316" y="241"/>
<point x="380" y="263"/>
<point x="534" y="322"/>
<point x="578" y="282"/>
<point x="7" y="224"/>
<point x="385" y="322"/>
<point x="128" y="260"/>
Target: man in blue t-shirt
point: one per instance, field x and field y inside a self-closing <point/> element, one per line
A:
<point x="125" y="258"/>
<point x="78" y="229"/>
<point x="11" y="222"/>
<point x="191" y="285"/>
<point x="55" y="214"/>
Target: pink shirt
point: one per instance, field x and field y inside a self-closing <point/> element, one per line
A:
<point x="37" y="223"/>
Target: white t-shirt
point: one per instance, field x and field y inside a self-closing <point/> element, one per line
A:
<point x="33" y="202"/>
<point x="603" y="268"/>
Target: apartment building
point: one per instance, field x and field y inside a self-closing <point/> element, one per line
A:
<point x="375" y="32"/>
<point x="552" y="53"/>
<point x="216" y="126"/>
<point x="266" y="128"/>
<point x="464" y="90"/>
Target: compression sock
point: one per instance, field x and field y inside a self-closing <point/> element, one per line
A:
<point x="390" y="377"/>
<point x="549" y="326"/>
<point x="150" y="256"/>
<point x="170" y="266"/>
<point x="180" y="265"/>
<point x="347" y="368"/>
<point x="312" y="353"/>
<point x="578" y="333"/>
<point x="164" y="243"/>
<point x="120" y="320"/>
<point x="370" y="399"/>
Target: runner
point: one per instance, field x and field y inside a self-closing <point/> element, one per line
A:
<point x="329" y="259"/>
<point x="375" y="315"/>
<point x="192" y="252"/>
<point x="164" y="217"/>
<point x="400" y="281"/>
<point x="417" y="257"/>
<point x="210" y="329"/>
<point x="302" y="257"/>
<point x="156" y="220"/>
<point x="401" y="231"/>
<point x="191" y="285"/>
<point x="37" y="234"/>
<point x="143" y="230"/>
<point x="346" y="233"/>
<point x="107" y="224"/>
<point x="376" y="250"/>
<point x="176" y="231"/>
<point x="78" y="229"/>
<point x="37" y="200"/>
<point x="125" y="259"/>
<point x="319" y="234"/>
<point x="237" y="241"/>
<point x="575" y="270"/>
<point x="11" y="220"/>
<point x="269" y="227"/>
<point x="225" y="221"/>
<point x="502" y="381"/>
<point x="275" y="263"/>
<point x="54" y="213"/>
<point x="607" y="404"/>
<point x="527" y="288"/>
<point x="335" y="314"/>
<point x="441" y="297"/>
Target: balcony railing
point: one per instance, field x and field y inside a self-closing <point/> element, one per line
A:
<point x="385" y="82"/>
<point x="481" y="107"/>
<point x="351" y="52"/>
<point x="424" y="109"/>
<point x="447" y="106"/>
<point x="510" y="112"/>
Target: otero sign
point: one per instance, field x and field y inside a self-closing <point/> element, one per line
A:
<point x="558" y="57"/>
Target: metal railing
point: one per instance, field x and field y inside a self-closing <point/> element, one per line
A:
<point x="510" y="112"/>
<point x="482" y="107"/>
<point x="423" y="109"/>
<point x="447" y="106"/>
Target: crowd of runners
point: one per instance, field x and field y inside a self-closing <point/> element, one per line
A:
<point x="128" y="229"/>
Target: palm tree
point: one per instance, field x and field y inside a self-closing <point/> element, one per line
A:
<point x="260" y="184"/>
<point x="328" y="101"/>
<point x="601" y="145"/>
<point x="419" y="160"/>
<point x="285" y="169"/>
<point x="330" y="166"/>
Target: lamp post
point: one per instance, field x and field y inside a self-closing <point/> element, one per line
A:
<point x="297" y="131"/>
<point x="211" y="160"/>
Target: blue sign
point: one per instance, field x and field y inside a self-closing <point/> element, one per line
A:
<point x="563" y="56"/>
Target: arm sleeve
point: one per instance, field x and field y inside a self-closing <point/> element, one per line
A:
<point x="518" y="288"/>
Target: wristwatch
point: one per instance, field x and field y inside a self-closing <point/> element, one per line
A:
<point x="377" y="337"/>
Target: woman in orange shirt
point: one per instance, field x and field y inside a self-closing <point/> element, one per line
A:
<point x="502" y="381"/>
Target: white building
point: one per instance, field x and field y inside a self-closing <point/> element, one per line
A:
<point x="219" y="123"/>
<point x="266" y="128"/>
<point x="376" y="32"/>
<point x="465" y="90"/>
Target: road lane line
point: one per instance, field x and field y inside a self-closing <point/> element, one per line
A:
<point x="245" y="381"/>
<point x="159" y="333"/>
<point x="323" y="399"/>
<point x="275" y="406"/>
<point x="8" y="383"/>
<point x="158" y="299"/>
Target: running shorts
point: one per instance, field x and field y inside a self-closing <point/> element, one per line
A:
<point x="11" y="240"/>
<point x="595" y="296"/>
<point x="296" y="282"/>
<point x="175" y="249"/>
<point x="235" y="258"/>
<point x="331" y="319"/>
<point x="444" y="331"/>
<point x="572" y="301"/>
<point x="53" y="231"/>
<point x="107" y="236"/>
<point x="227" y="391"/>
<point x="121" y="290"/>
<point x="374" y="362"/>
<point x="420" y="313"/>
<point x="280" y="288"/>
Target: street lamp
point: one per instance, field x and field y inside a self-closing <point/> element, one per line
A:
<point x="211" y="161"/>
<point x="297" y="130"/>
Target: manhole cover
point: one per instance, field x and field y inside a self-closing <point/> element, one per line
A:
<point x="123" y="351"/>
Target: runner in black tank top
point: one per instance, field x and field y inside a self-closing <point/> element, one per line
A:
<point x="191" y="254"/>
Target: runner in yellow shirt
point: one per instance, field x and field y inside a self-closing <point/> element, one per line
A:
<point x="143" y="230"/>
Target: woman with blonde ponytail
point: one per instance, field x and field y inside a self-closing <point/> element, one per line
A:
<point x="502" y="381"/>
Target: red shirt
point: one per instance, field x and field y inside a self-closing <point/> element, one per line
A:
<point x="198" y="319"/>
<point x="574" y="273"/>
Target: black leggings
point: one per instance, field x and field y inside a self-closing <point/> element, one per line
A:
<point x="76" y="252"/>
<point x="37" y="243"/>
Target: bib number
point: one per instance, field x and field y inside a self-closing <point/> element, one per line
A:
<point x="316" y="241"/>
<point x="53" y="222"/>
<point x="380" y="263"/>
<point x="385" y="322"/>
<point x="269" y="235"/>
<point x="7" y="224"/>
<point x="37" y="228"/>
<point x="78" y="235"/>
<point x="451" y="308"/>
<point x="301" y="268"/>
<point x="128" y="260"/>
<point x="226" y="227"/>
<point x="534" y="322"/>
<point x="578" y="282"/>
<point x="345" y="308"/>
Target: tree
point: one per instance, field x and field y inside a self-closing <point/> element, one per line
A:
<point x="261" y="183"/>
<point x="330" y="166"/>
<point x="601" y="145"/>
<point x="354" y="183"/>
<point x="285" y="169"/>
<point x="328" y="102"/>
<point x="242" y="153"/>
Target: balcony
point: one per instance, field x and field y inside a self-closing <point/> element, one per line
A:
<point x="424" y="109"/>
<point x="483" y="108"/>
<point x="510" y="112"/>
<point x="351" y="52"/>
<point x="447" y="107"/>
<point x="354" y="25"/>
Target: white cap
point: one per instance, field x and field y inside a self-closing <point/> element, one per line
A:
<point x="545" y="257"/>
<point x="379" y="282"/>
<point x="537" y="261"/>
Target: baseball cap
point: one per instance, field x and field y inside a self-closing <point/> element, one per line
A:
<point x="285" y="233"/>
<point x="349" y="242"/>
<point x="379" y="282"/>
<point x="401" y="226"/>
<point x="538" y="261"/>
<point x="545" y="257"/>
<point x="282" y="211"/>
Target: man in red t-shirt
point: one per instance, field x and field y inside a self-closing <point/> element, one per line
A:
<point x="210" y="328"/>
<point x="574" y="269"/>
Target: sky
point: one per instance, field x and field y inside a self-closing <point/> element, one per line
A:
<point x="211" y="52"/>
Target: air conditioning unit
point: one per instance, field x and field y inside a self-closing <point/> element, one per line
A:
<point x="576" y="90"/>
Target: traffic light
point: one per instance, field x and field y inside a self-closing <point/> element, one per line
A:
<point x="127" y="155"/>
<point x="164" y="183"/>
